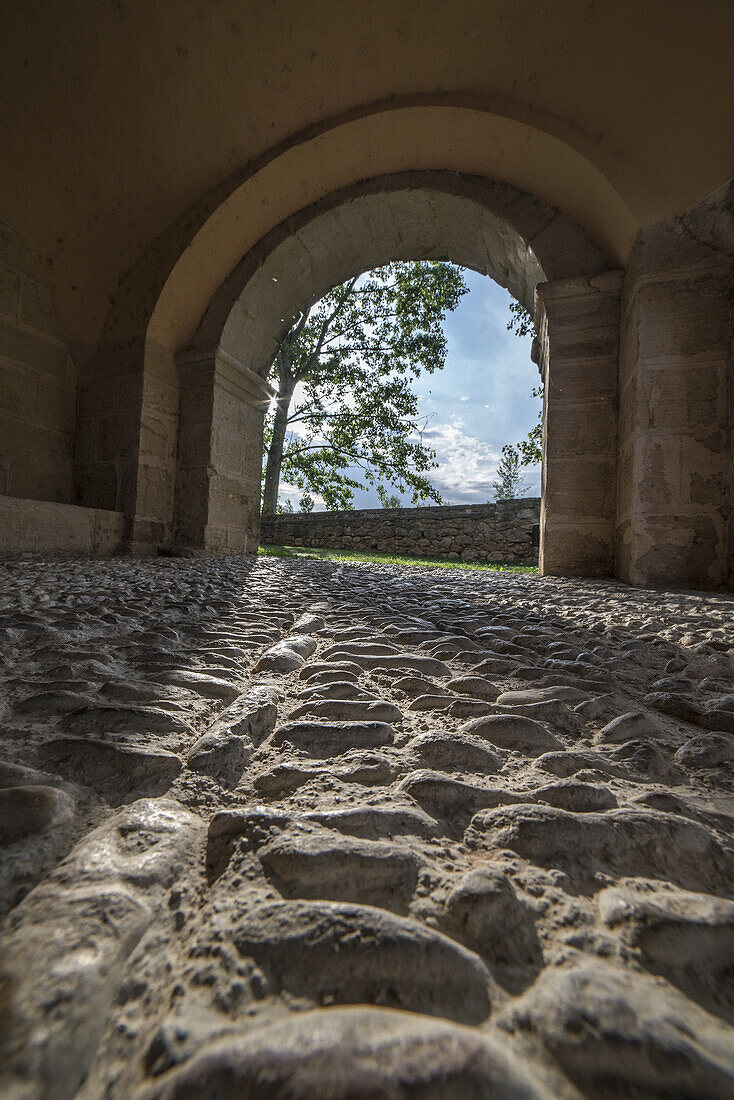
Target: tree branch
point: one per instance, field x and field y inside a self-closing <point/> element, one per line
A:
<point x="325" y="328"/>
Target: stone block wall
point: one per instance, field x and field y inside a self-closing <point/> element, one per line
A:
<point x="676" y="415"/>
<point x="45" y="526"/>
<point x="37" y="382"/>
<point x="219" y="453"/>
<point x="579" y="338"/>
<point x="499" y="532"/>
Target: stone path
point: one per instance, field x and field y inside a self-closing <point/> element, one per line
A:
<point x="307" y="831"/>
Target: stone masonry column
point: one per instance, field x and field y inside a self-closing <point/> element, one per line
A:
<point x="217" y="496"/>
<point x="127" y="415"/>
<point x="676" y="483"/>
<point x="579" y="351"/>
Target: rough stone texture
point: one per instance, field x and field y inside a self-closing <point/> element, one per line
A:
<point x="218" y="467"/>
<point x="579" y="355"/>
<point x="61" y="527"/>
<point x="210" y="890"/>
<point x="676" y="422"/>
<point x="38" y="391"/>
<point x="355" y="1053"/>
<point x="499" y="532"/>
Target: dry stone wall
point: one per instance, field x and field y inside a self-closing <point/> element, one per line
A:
<point x="477" y="532"/>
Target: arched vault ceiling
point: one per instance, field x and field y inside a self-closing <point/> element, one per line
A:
<point x="119" y="117"/>
<point x="418" y="138"/>
<point x="493" y="228"/>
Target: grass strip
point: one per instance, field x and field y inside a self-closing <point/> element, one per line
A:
<point x="389" y="559"/>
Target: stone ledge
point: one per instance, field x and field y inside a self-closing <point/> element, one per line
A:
<point x="44" y="525"/>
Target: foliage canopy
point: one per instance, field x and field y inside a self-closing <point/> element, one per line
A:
<point x="345" y="400"/>
<point x="530" y="449"/>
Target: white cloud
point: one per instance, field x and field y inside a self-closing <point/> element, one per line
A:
<point x="467" y="465"/>
<point x="293" y="494"/>
<point x="464" y="398"/>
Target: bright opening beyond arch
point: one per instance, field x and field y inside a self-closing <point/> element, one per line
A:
<point x="483" y="396"/>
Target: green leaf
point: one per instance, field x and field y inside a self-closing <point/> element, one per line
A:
<point x="355" y="354"/>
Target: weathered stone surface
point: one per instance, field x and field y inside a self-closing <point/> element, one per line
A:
<point x="706" y="751"/>
<point x="488" y="916"/>
<point x="68" y="940"/>
<point x="211" y="687"/>
<point x="455" y="752"/>
<point x="287" y="655"/>
<point x="318" y="671"/>
<point x="407" y="662"/>
<point x="548" y="712"/>
<point x="359" y="1053"/>
<point x="345" y="710"/>
<point x="366" y="768"/>
<point x="450" y="798"/>
<point x="332" y="738"/>
<point x="348" y="954"/>
<point x="513" y="732"/>
<point x="525" y="697"/>
<point x="359" y="878"/>
<point x="623" y="841"/>
<point x="565" y="764"/>
<point x="116" y="771"/>
<point x="646" y="760"/>
<point x="322" y="864"/>
<point x="628" y="727"/>
<point x="333" y="688"/>
<point x="616" y="1033"/>
<point x="570" y="794"/>
<point x="220" y="754"/>
<point x="682" y="706"/>
<point x="137" y="721"/>
<point x="688" y="938"/>
<point x="252" y="714"/>
<point x="50" y="704"/>
<point x="431" y="702"/>
<point x="31" y="809"/>
<point x="377" y="821"/>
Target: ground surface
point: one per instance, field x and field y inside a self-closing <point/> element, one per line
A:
<point x="286" y="828"/>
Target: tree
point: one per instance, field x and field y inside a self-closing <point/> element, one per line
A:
<point x="521" y="320"/>
<point x="393" y="501"/>
<point x="306" y="503"/>
<point x="353" y="356"/>
<point x="530" y="449"/>
<point x="509" y="483"/>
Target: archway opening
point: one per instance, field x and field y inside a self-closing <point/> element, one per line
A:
<point x="402" y="399"/>
<point x="493" y="229"/>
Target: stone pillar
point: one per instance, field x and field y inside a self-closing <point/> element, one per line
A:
<point x="677" y="408"/>
<point x="109" y="400"/>
<point x="217" y="497"/>
<point x="579" y="352"/>
<point x="37" y="382"/>
<point x="126" y="438"/>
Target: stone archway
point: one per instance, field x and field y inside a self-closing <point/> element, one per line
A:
<point x="633" y="485"/>
<point x="129" y="465"/>
<point x="492" y="228"/>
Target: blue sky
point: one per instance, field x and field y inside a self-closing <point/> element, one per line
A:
<point x="477" y="403"/>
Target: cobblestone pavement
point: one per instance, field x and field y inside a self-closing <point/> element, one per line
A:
<point x="302" y="831"/>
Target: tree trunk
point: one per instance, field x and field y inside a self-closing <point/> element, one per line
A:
<point x="275" y="454"/>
